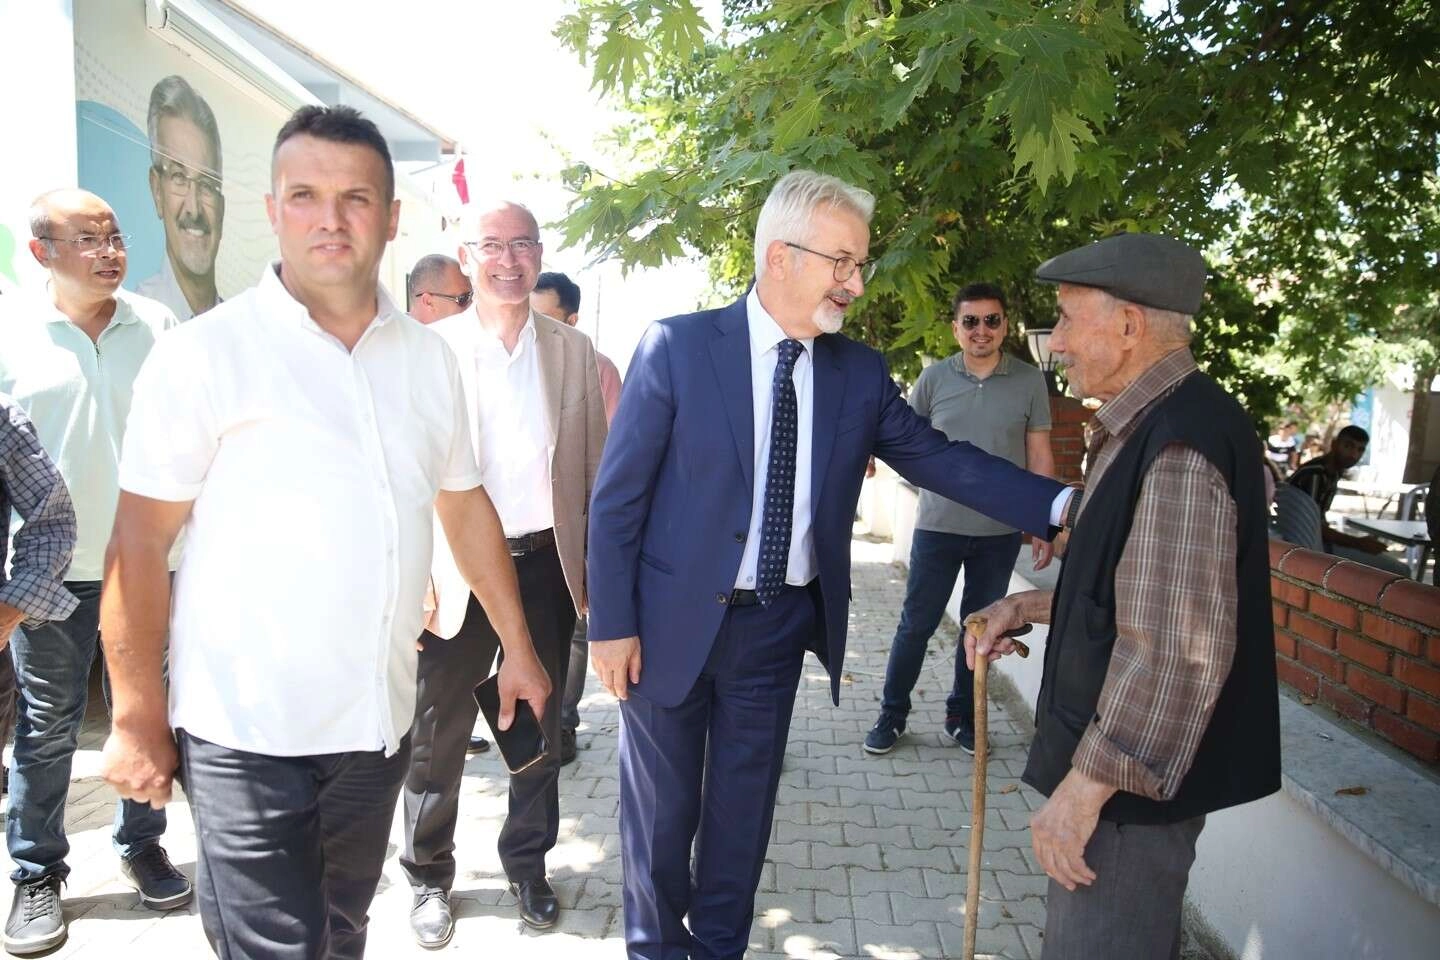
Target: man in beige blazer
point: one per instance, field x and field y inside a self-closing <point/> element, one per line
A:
<point x="538" y="418"/>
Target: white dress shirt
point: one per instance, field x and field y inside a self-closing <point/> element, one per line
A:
<point x="314" y="472"/>
<point x="76" y="391"/>
<point x="765" y="337"/>
<point x="507" y="420"/>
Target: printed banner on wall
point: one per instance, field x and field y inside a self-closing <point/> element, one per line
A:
<point x="180" y="152"/>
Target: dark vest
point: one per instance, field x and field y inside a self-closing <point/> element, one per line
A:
<point x="1239" y="755"/>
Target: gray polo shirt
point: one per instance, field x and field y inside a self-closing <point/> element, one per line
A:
<point x="994" y="414"/>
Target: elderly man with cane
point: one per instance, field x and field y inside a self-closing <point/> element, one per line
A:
<point x="1159" y="702"/>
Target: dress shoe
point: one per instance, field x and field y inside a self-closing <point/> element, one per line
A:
<point x="539" y="907"/>
<point x="567" y="746"/>
<point x="431" y="920"/>
<point x="479" y="745"/>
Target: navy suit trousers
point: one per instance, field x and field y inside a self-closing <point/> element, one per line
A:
<point x="705" y="772"/>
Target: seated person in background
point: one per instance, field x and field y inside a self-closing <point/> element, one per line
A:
<point x="1281" y="448"/>
<point x="1320" y="477"/>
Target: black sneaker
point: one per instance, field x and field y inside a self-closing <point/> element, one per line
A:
<point x="962" y="731"/>
<point x="885" y="734"/>
<point x="160" y="885"/>
<point x="36" y="921"/>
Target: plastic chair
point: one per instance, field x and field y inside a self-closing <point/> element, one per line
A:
<point x="1298" y="519"/>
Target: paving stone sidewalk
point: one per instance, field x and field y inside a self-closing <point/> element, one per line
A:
<point x="867" y="858"/>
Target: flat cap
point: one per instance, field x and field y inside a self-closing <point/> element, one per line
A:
<point x="1143" y="268"/>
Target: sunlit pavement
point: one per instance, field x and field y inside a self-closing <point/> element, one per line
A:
<point x="867" y="858"/>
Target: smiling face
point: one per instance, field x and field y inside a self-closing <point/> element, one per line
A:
<point x="807" y="299"/>
<point x="330" y="212"/>
<point x="81" y="276"/>
<point x="1090" y="338"/>
<point x="185" y="186"/>
<point x="506" y="278"/>
<point x="980" y="341"/>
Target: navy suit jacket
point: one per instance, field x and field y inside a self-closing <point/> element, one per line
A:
<point x="670" y="510"/>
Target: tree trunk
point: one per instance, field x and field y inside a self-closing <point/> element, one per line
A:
<point x="1419" y="426"/>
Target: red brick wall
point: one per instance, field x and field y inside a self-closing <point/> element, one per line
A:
<point x="1364" y="642"/>
<point x="1067" y="436"/>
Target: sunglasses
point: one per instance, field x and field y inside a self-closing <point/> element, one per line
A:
<point x="460" y="300"/>
<point x="992" y="321"/>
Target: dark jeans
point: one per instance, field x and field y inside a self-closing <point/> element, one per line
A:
<point x="52" y="667"/>
<point x="702" y="775"/>
<point x="288" y="849"/>
<point x="8" y="695"/>
<point x="445" y="714"/>
<point x="575" y="675"/>
<point x="935" y="561"/>
<point x="1133" y="909"/>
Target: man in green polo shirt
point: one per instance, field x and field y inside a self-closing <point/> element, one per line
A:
<point x="1000" y="404"/>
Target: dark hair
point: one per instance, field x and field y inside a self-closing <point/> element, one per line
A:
<point x="977" y="291"/>
<point x="1354" y="433"/>
<point x="174" y="97"/>
<point x="566" y="290"/>
<point x="338" y="125"/>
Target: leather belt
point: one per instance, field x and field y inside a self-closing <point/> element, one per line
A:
<point x="530" y="542"/>
<point x="744" y="598"/>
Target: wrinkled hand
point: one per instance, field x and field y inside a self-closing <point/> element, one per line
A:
<point x="1041" y="552"/>
<point x="617" y="664"/>
<point x="522" y="678"/>
<point x="1000" y="616"/>
<point x="140" y="762"/>
<point x="1061" y="828"/>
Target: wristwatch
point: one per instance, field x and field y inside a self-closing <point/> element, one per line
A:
<point x="1072" y="509"/>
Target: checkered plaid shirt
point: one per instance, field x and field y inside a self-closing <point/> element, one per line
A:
<point x="1175" y="597"/>
<point x="31" y="486"/>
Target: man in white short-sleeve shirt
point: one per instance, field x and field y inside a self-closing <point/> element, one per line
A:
<point x="301" y="434"/>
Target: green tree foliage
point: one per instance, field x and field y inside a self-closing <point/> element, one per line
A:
<point x="1296" y="143"/>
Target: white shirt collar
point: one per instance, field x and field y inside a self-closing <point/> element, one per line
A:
<point x="765" y="333"/>
<point x="123" y="312"/>
<point x="279" y="301"/>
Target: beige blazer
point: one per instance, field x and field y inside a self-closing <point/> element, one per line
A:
<point x="575" y="416"/>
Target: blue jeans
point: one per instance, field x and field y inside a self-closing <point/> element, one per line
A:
<point x="935" y="561"/>
<point x="52" y="669"/>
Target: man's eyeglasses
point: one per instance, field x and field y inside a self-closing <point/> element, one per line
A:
<point x="179" y="182"/>
<point x="491" y="249"/>
<point x="461" y="300"/>
<point x="88" y="243"/>
<point x="992" y="321"/>
<point x="845" y="267"/>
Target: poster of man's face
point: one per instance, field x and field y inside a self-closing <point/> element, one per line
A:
<point x="186" y="185"/>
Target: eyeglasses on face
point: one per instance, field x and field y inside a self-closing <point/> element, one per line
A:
<point x="90" y="244"/>
<point x="992" y="321"/>
<point x="490" y="249"/>
<point x="461" y="300"/>
<point x="845" y="267"/>
<point x="179" y="181"/>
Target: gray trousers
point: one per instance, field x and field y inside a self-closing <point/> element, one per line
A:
<point x="1133" y="909"/>
<point x="289" y="850"/>
<point x="575" y="675"/>
<point x="445" y="712"/>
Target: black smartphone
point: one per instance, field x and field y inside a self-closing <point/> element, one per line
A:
<point x="524" y="743"/>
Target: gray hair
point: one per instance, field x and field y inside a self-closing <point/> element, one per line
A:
<point x="1166" y="326"/>
<point x="430" y="268"/>
<point x="792" y="204"/>
<point x="174" y="97"/>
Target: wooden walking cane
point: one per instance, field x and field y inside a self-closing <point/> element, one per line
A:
<point x="976" y="628"/>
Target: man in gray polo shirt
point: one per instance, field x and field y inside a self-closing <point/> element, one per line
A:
<point x="998" y="403"/>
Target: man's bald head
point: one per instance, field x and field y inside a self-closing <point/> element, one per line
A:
<point x="501" y="253"/>
<point x="76" y="237"/>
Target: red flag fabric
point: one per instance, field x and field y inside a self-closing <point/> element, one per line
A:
<point x="462" y="187"/>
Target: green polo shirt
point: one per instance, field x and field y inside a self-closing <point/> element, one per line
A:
<point x="994" y="414"/>
<point x="77" y="393"/>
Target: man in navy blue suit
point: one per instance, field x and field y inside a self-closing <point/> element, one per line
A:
<point x="719" y="552"/>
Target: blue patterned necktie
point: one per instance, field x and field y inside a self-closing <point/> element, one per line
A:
<point x="779" y="515"/>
